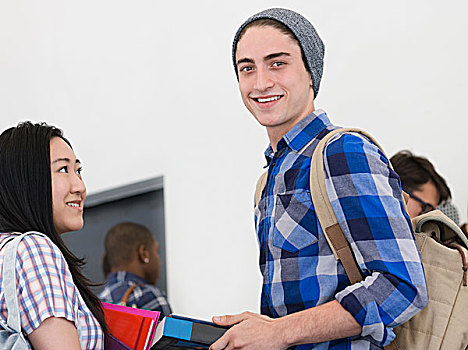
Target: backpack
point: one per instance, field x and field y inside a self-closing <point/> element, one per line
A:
<point x="11" y="335"/>
<point x="443" y="324"/>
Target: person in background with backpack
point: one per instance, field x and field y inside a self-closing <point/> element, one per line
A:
<point x="131" y="263"/>
<point x="426" y="188"/>
<point x="307" y="297"/>
<point x="41" y="190"/>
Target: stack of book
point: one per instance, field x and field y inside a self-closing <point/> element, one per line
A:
<point x="138" y="329"/>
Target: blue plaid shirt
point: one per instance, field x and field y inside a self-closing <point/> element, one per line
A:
<point x="144" y="296"/>
<point x="298" y="267"/>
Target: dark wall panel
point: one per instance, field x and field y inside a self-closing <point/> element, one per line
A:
<point x="146" y="209"/>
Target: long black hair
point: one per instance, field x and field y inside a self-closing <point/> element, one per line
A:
<point x="26" y="196"/>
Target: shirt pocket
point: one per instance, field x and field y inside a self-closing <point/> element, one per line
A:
<point x="294" y="219"/>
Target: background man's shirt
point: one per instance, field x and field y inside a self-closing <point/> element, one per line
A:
<point x="144" y="296"/>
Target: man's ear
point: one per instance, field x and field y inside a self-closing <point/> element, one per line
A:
<point x="106" y="269"/>
<point x="143" y="254"/>
<point x="311" y="84"/>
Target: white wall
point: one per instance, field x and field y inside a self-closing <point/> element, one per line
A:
<point x="145" y="88"/>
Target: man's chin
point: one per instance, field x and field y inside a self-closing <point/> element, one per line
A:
<point x="267" y="121"/>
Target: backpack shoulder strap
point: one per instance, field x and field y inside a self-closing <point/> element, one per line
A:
<point x="328" y="221"/>
<point x="9" y="281"/>
<point x="261" y="182"/>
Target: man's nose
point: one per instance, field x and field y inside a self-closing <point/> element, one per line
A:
<point x="263" y="81"/>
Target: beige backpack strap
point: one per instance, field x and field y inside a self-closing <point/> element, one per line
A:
<point x="330" y="226"/>
<point x="260" y="186"/>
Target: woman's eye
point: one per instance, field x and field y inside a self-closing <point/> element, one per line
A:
<point x="63" y="169"/>
<point x="79" y="170"/>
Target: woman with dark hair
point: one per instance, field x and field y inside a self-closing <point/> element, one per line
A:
<point x="41" y="190"/>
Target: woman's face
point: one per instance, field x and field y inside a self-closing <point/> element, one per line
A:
<point x="68" y="189"/>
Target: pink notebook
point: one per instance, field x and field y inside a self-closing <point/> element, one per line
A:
<point x="134" y="327"/>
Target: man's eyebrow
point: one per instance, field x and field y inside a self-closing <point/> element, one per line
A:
<point x="267" y="57"/>
<point x="245" y="60"/>
<point x="276" y="55"/>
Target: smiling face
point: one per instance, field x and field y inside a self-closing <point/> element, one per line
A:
<point x="68" y="189"/>
<point x="274" y="83"/>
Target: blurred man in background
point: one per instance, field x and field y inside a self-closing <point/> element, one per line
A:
<point x="131" y="263"/>
<point x="426" y="188"/>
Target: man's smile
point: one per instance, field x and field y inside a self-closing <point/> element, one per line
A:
<point x="268" y="99"/>
<point x="263" y="100"/>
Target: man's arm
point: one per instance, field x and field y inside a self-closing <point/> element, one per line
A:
<point x="319" y="324"/>
<point x="366" y="198"/>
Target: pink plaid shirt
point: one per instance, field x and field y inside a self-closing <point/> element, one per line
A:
<point x="46" y="289"/>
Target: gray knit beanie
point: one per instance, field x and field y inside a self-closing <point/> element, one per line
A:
<point x="311" y="44"/>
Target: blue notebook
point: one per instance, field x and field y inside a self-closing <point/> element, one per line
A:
<point x="178" y="332"/>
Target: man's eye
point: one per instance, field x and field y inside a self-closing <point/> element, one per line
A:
<point x="246" y="69"/>
<point x="277" y="64"/>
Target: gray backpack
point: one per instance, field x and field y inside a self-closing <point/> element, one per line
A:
<point x="11" y="336"/>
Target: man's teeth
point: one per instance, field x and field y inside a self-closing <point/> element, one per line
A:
<point x="268" y="99"/>
<point x="73" y="205"/>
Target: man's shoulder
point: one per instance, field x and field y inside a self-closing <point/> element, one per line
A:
<point x="149" y="297"/>
<point x="351" y="142"/>
<point x="149" y="288"/>
<point x="113" y="287"/>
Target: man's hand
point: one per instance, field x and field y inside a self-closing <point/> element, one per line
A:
<point x="249" y="331"/>
<point x="315" y="325"/>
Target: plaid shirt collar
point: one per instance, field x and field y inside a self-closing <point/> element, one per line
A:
<point x="301" y="134"/>
<point x="121" y="276"/>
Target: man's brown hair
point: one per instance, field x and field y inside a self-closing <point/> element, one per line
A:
<point x="415" y="171"/>
<point x="267" y="22"/>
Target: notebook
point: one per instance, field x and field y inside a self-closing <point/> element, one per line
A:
<point x="133" y="327"/>
<point x="178" y="332"/>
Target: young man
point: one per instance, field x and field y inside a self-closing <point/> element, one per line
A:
<point x="427" y="189"/>
<point x="131" y="263"/>
<point x="306" y="297"/>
